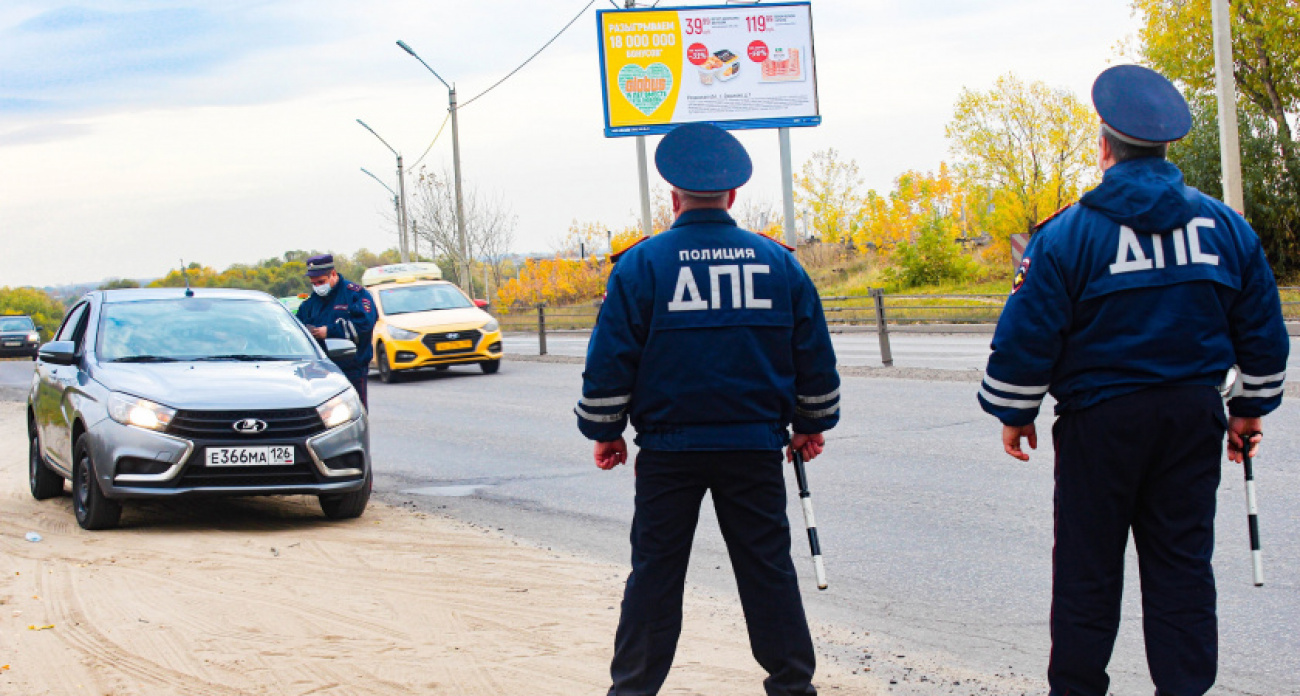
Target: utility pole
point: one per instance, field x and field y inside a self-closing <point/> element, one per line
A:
<point x="401" y="216"/>
<point x="460" y="201"/>
<point x="1226" y="88"/>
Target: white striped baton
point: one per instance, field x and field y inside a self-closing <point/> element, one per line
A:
<point x="1252" y="512"/>
<point x="805" y="499"/>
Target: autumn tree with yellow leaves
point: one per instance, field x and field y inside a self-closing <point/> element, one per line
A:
<point x="1024" y="151"/>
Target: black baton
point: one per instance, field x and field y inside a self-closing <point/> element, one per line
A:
<point x="1252" y="511"/>
<point x="805" y="499"/>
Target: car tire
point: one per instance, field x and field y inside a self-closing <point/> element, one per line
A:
<point x="387" y="374"/>
<point x="93" y="510"/>
<point x="442" y="368"/>
<point x="346" y="506"/>
<point x="44" y="482"/>
<point x="490" y="367"/>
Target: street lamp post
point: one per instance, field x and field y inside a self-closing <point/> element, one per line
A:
<point x="397" y="206"/>
<point x="401" y="194"/>
<point x="455" y="163"/>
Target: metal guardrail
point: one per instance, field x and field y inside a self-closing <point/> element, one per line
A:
<point x="875" y="309"/>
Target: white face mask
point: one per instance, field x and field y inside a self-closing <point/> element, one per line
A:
<point x="323" y="289"/>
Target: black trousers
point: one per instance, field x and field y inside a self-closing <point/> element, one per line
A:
<point x="1147" y="462"/>
<point x="748" y="491"/>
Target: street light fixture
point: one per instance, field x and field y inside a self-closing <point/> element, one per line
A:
<point x="397" y="207"/>
<point x="455" y="160"/>
<point x="401" y="194"/>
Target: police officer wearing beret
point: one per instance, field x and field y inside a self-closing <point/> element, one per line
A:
<point x="1129" y="309"/>
<point x="338" y="308"/>
<point x="713" y="343"/>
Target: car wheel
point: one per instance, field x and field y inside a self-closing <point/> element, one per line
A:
<point x="93" y="510"/>
<point x="387" y="374"/>
<point x="442" y="368"/>
<point x="346" y="506"/>
<point x="44" y="482"/>
<point x="489" y="367"/>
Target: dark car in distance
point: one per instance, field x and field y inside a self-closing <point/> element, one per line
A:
<point x="18" y="337"/>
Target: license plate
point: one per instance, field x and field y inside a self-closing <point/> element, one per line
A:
<point x="453" y="345"/>
<point x="19" y="343"/>
<point x="250" y="456"/>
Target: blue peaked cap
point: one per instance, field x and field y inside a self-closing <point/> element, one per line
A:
<point x="702" y="157"/>
<point x="318" y="266"/>
<point x="1141" y="105"/>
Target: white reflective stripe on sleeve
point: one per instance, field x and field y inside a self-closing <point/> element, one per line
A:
<point x="819" y="399"/>
<point x="1013" y="389"/>
<point x="1252" y="379"/>
<point x="1260" y="393"/>
<point x="818" y="414"/>
<point x="608" y="401"/>
<point x="1009" y="403"/>
<point x="614" y="418"/>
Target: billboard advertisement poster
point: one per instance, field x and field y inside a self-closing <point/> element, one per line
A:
<point x="738" y="66"/>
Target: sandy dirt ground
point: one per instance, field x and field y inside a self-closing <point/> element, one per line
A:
<point x="264" y="596"/>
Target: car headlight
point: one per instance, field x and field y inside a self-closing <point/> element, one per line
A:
<point x="341" y="409"/>
<point x="33" y="337"/>
<point x="491" y="326"/>
<point x="142" y="413"/>
<point x="402" y="334"/>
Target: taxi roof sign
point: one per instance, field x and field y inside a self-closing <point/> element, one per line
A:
<point x="401" y="273"/>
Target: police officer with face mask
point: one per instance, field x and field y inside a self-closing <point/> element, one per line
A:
<point x="339" y="308"/>
<point x="1129" y="308"/>
<point x="712" y="342"/>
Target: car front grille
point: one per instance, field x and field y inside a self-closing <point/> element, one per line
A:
<point x="288" y="423"/>
<point x="432" y="340"/>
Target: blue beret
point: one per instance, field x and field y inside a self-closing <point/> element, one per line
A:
<point x="1140" y="105"/>
<point x="320" y="265"/>
<point x="703" y="157"/>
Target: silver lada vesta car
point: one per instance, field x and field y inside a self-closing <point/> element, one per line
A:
<point x="160" y="393"/>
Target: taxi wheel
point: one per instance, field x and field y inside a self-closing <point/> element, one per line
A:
<point x="387" y="374"/>
<point x="442" y="368"/>
<point x="93" y="510"/>
<point x="490" y="367"/>
<point x="346" y="506"/>
<point x="44" y="482"/>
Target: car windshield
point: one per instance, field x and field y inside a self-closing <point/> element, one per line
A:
<point x="16" y="324"/>
<point x="201" y="329"/>
<point x="422" y="298"/>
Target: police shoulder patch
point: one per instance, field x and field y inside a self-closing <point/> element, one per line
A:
<point x="614" y="257"/>
<point x="1049" y="218"/>
<point x="1021" y="275"/>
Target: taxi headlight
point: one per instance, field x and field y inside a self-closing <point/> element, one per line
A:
<point x="492" y="326"/>
<point x="341" y="409"/>
<point x="402" y="334"/>
<point x="142" y="413"/>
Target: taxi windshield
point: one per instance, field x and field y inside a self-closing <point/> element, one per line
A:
<point x="201" y="329"/>
<point x="422" y="298"/>
<point x="16" y="324"/>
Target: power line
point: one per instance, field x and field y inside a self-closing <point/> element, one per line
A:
<point x="431" y="142"/>
<point x="530" y="58"/>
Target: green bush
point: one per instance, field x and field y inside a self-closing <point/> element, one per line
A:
<point x="933" y="257"/>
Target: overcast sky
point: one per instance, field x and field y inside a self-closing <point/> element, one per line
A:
<point x="137" y="132"/>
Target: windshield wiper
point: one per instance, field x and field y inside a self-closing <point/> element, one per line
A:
<point x="243" y="357"/>
<point x="144" y="359"/>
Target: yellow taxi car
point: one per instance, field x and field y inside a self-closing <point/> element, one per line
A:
<point x="425" y="321"/>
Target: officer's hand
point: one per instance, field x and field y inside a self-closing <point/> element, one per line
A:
<point x="1239" y="428"/>
<point x="610" y="454"/>
<point x="318" y="332"/>
<point x="1011" y="435"/>
<point x="808" y="445"/>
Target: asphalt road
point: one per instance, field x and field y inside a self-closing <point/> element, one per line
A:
<point x="938" y="545"/>
<point x="955" y="351"/>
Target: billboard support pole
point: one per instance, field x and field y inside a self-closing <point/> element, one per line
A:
<point x="787" y="187"/>
<point x="1226" y="89"/>
<point x="643" y="177"/>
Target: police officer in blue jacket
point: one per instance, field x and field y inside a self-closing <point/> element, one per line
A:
<point x="338" y="308"/>
<point x="713" y="343"/>
<point x="1129" y="308"/>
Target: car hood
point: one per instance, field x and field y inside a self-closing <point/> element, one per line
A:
<point x="464" y="317"/>
<point x="227" y="386"/>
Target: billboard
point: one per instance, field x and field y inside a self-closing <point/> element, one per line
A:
<point x="738" y="66"/>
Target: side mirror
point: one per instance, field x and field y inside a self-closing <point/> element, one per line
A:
<point x="481" y="304"/>
<point x="340" y="348"/>
<point x="59" y="352"/>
